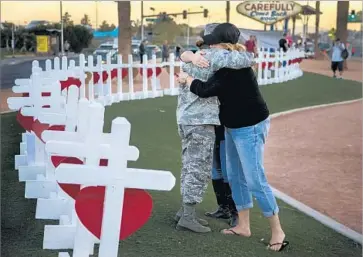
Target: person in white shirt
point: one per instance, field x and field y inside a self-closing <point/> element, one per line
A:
<point x="337" y="58"/>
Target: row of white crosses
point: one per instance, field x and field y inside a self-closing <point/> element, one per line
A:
<point x="282" y="73"/>
<point x="39" y="175"/>
<point x="101" y="91"/>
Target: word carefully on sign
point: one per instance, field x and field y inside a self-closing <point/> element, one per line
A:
<point x="269" y="12"/>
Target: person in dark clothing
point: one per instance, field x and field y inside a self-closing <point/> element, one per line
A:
<point x="142" y="49"/>
<point x="226" y="207"/>
<point x="283" y="43"/>
<point x="245" y="116"/>
<point x="177" y="52"/>
<point x="165" y="52"/>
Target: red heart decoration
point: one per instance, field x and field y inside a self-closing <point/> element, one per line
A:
<point x="148" y="70"/>
<point x="96" y="76"/>
<point x="137" y="209"/>
<point x="71" y="189"/>
<point x="25" y="121"/>
<point x="69" y="82"/>
<point x="38" y="128"/>
<point x="124" y="73"/>
<point x="158" y="71"/>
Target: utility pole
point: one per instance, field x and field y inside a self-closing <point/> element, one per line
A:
<point x="96" y="14"/>
<point x="142" y="20"/>
<point x="228" y="11"/>
<point x="62" y="27"/>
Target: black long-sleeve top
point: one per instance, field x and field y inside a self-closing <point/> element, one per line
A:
<point x="241" y="102"/>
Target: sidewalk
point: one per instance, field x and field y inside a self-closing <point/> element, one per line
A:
<point x="315" y="156"/>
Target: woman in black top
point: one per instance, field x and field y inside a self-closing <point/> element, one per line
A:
<point x="245" y="116"/>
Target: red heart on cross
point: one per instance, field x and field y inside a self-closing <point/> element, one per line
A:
<point x="69" y="82"/>
<point x="137" y="209"/>
<point x="38" y="128"/>
<point x="124" y="73"/>
<point x="150" y="71"/>
<point x="25" y="121"/>
<point x="96" y="76"/>
<point x="71" y="189"/>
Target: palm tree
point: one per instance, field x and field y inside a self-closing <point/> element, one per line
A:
<point x="294" y="19"/>
<point x="124" y="28"/>
<point x="317" y="25"/>
<point x="342" y="22"/>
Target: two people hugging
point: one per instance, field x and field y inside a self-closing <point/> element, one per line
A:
<point x="223" y="122"/>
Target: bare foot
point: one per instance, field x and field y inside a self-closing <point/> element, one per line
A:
<point x="238" y="231"/>
<point x="277" y="240"/>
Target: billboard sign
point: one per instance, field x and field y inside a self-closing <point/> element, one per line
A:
<point x="268" y="12"/>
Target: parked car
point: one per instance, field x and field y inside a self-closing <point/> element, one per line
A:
<point x="153" y="49"/>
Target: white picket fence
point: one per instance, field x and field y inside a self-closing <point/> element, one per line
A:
<point x="64" y="120"/>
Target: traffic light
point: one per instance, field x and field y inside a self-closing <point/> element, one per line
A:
<point x="352" y="16"/>
<point x="205" y="13"/>
<point x="185" y="14"/>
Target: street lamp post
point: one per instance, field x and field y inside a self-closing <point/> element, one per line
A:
<point x="142" y="20"/>
<point x="62" y="27"/>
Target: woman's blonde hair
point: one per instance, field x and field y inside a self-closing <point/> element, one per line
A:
<point x="231" y="47"/>
<point x="227" y="46"/>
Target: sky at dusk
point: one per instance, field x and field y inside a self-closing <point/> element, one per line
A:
<point x="22" y="12"/>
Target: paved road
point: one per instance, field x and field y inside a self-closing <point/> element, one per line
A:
<point x="10" y="71"/>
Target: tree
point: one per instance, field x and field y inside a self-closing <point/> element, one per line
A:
<point x="86" y="20"/>
<point x="124" y="28"/>
<point x="78" y="36"/>
<point x="166" y="30"/>
<point x="294" y="19"/>
<point x="318" y="54"/>
<point x="106" y="27"/>
<point x="342" y="22"/>
<point x="67" y="19"/>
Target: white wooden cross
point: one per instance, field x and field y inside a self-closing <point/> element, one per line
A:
<point x="116" y="176"/>
<point x="44" y="184"/>
<point x="35" y="87"/>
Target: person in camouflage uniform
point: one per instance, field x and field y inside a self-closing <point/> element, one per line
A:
<point x="197" y="118"/>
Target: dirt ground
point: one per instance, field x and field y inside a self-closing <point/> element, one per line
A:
<point x="315" y="156"/>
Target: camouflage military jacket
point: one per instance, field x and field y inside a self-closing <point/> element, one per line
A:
<point x="193" y="110"/>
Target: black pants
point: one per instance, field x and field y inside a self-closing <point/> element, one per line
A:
<point x="337" y="66"/>
<point x="141" y="58"/>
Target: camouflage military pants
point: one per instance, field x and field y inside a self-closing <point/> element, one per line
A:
<point x="197" y="159"/>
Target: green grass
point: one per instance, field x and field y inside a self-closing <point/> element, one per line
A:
<point x="154" y="133"/>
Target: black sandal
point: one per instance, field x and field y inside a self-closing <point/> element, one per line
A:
<point x="284" y="244"/>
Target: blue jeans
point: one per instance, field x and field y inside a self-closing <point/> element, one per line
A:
<point x="222" y="173"/>
<point x="246" y="173"/>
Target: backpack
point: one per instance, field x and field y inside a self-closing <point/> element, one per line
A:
<point x="345" y="54"/>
